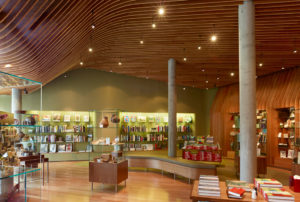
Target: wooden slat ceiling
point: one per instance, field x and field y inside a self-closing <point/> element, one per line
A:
<point x="42" y="39"/>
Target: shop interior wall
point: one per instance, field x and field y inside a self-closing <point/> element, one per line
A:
<point x="278" y="90"/>
<point x="88" y="89"/>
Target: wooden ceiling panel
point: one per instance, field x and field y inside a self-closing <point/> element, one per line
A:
<point x="44" y="38"/>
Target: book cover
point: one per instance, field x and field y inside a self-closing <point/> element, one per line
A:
<point x="69" y="138"/>
<point x="56" y="117"/>
<point x="46" y="118"/>
<point x="86" y="118"/>
<point x="61" y="148"/>
<point x="238" y="184"/>
<point x="126" y="119"/>
<point x="69" y="147"/>
<point x="236" y="191"/>
<point x="67" y="118"/>
<point x="77" y="117"/>
<point x="52" y="148"/>
<point x="133" y="119"/>
<point x="44" y="148"/>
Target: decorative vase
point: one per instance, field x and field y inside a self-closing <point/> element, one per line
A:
<point x="115" y="118"/>
<point x="104" y="122"/>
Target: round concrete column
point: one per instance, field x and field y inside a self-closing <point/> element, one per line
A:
<point x="172" y="101"/>
<point x="247" y="84"/>
<point x="16" y="102"/>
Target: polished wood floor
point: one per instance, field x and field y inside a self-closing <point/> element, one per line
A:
<point x="68" y="182"/>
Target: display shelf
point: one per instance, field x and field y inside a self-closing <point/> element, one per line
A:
<point x="153" y="125"/>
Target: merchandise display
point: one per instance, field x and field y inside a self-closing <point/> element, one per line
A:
<point x="202" y="151"/>
<point x="149" y="131"/>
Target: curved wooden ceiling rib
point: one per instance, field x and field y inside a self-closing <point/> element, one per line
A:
<point x="45" y="38"/>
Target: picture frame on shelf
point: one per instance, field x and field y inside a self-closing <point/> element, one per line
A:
<point x="44" y="148"/>
<point x="67" y="118"/>
<point x="56" y="117"/>
<point x="61" y="148"/>
<point x="86" y="118"/>
<point x="77" y="118"/>
<point x="52" y="148"/>
<point x="46" y="118"/>
<point x="69" y="147"/>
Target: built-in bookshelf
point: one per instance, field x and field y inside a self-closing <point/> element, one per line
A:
<point x="61" y="131"/>
<point x="149" y="131"/>
<point x="286" y="133"/>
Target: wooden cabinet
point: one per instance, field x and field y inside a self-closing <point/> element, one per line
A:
<point x="108" y="173"/>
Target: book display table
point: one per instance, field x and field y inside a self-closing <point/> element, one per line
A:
<point x="224" y="198"/>
<point x="108" y="173"/>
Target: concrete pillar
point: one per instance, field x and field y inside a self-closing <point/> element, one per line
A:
<point x="247" y="84"/>
<point x="16" y="102"/>
<point x="172" y="101"/>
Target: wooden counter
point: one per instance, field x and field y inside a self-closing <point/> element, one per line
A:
<point x="224" y="197"/>
<point x="108" y="173"/>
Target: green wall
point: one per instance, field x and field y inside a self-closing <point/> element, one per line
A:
<point x="88" y="89"/>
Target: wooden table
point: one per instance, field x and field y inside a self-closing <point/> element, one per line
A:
<point x="224" y="198"/>
<point x="108" y="173"/>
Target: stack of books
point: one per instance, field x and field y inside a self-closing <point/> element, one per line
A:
<point x="268" y="183"/>
<point x="209" y="185"/>
<point x="238" y="184"/>
<point x="277" y="195"/>
<point x="236" y="192"/>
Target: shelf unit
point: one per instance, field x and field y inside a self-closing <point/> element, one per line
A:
<point x="149" y="131"/>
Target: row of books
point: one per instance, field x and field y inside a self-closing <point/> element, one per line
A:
<point x="130" y="129"/>
<point x="68" y="138"/>
<point x="184" y="129"/>
<point x="139" y="138"/>
<point x="53" y="148"/>
<point x="286" y="135"/>
<point x="209" y="185"/>
<point x="62" y="129"/>
<point x="139" y="147"/>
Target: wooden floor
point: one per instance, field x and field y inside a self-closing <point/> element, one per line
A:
<point x="69" y="183"/>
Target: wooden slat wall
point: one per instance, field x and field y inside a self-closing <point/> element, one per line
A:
<point x="279" y="90"/>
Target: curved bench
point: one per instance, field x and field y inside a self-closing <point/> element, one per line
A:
<point x="182" y="168"/>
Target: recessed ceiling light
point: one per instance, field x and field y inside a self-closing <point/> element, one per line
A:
<point x="161" y="11"/>
<point x="206" y="81"/>
<point x="199" y="47"/>
<point x="213" y="38"/>
<point x="81" y="63"/>
<point x="260" y="64"/>
<point x="295" y="51"/>
<point x="218" y="78"/>
<point x="90" y="50"/>
<point x="111" y="70"/>
<point x="282" y="68"/>
<point x="184" y="59"/>
<point x="203" y="70"/>
<point x="119" y="63"/>
<point x="183" y="88"/>
<point x="206" y="88"/>
<point x="153" y="25"/>
<point x="232" y="74"/>
<point x="141" y="42"/>
<point x="7" y="65"/>
<point x="93" y="26"/>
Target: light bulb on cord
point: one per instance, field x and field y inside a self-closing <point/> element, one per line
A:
<point x="261" y="64"/>
<point x="213" y="38"/>
<point x="161" y="11"/>
<point x="93" y="26"/>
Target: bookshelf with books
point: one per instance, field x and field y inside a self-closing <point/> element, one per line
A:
<point x="286" y="135"/>
<point x="63" y="135"/>
<point x="149" y="131"/>
<point x="296" y="158"/>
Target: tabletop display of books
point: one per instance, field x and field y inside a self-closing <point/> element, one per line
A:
<point x="269" y="183"/>
<point x="277" y="195"/>
<point x="209" y="185"/>
<point x="238" y="184"/>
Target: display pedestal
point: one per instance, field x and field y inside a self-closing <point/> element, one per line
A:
<point x="108" y="173"/>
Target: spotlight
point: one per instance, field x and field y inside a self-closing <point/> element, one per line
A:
<point x="261" y="64"/>
<point x="90" y="50"/>
<point x="206" y="88"/>
<point x="282" y="68"/>
<point x="295" y="51"/>
<point x="141" y="42"/>
<point x="206" y="81"/>
<point x="218" y="78"/>
<point x="120" y="63"/>
<point x="153" y="25"/>
<point x="161" y="11"/>
<point x="199" y="47"/>
<point x="184" y="59"/>
<point x="203" y="70"/>
<point x="81" y="63"/>
<point x="213" y="38"/>
<point x="232" y="74"/>
<point x="183" y="88"/>
<point x="93" y="26"/>
<point x="7" y="65"/>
